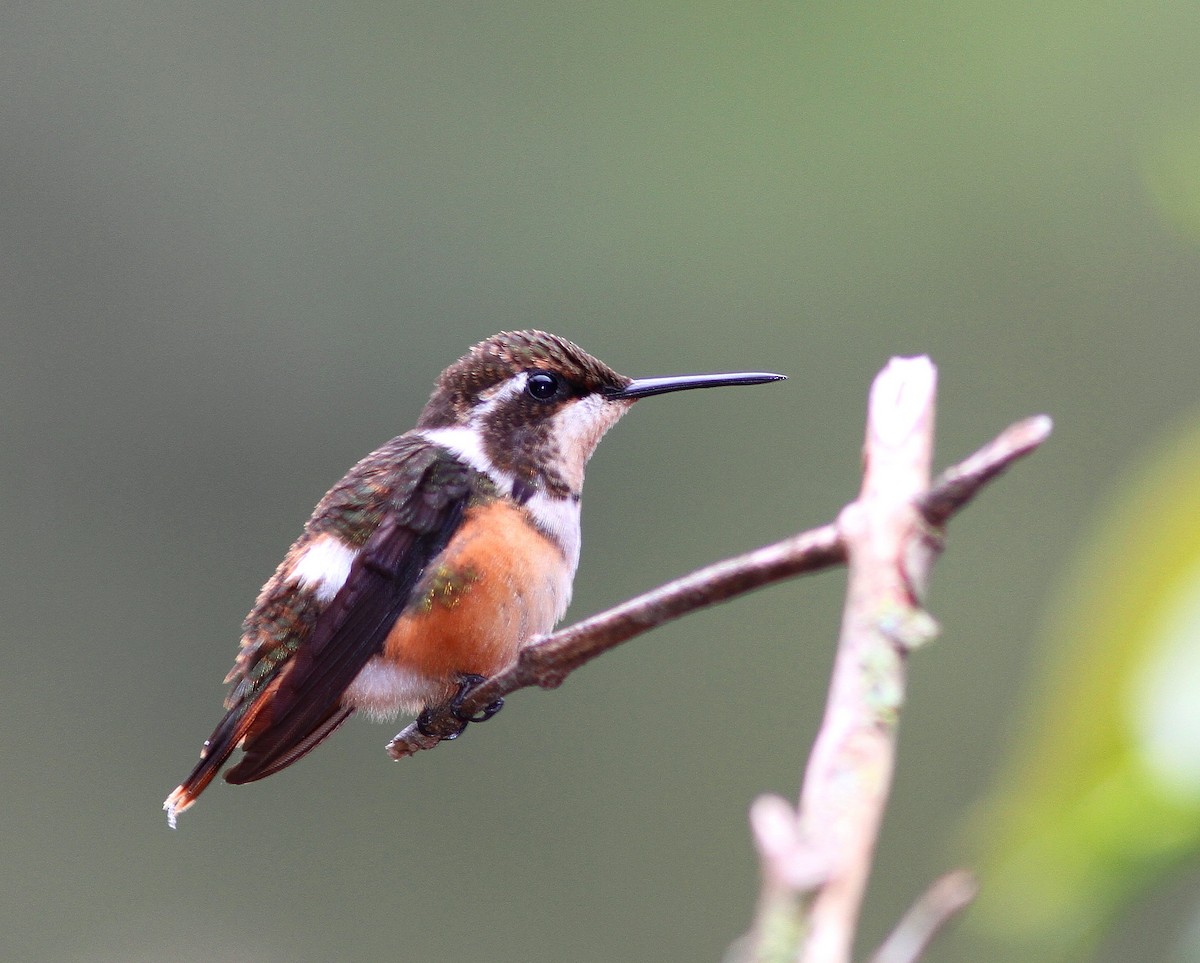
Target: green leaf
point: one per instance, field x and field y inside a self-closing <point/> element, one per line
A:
<point x="1101" y="796"/>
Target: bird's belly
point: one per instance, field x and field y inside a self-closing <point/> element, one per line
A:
<point x="497" y="584"/>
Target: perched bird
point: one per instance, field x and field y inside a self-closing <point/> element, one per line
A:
<point x="433" y="561"/>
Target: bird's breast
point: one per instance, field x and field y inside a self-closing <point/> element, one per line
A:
<point x="499" y="582"/>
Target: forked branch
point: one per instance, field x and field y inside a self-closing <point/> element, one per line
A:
<point x="815" y="858"/>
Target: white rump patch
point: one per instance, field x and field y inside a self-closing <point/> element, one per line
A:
<point x="324" y="566"/>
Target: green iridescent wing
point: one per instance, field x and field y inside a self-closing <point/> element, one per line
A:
<point x="430" y="491"/>
<point x="399" y="507"/>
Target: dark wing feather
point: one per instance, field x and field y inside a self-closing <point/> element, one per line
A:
<point x="420" y="522"/>
<point x="328" y="727"/>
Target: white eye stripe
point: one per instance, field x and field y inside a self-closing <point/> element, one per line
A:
<point x="499" y="393"/>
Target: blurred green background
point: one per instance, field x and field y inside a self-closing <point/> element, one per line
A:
<point x="240" y="239"/>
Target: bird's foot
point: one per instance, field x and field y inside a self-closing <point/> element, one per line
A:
<point x="425" y="726"/>
<point x="467" y="683"/>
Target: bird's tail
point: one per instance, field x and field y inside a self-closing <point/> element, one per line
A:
<point x="220" y="745"/>
<point x="250" y="725"/>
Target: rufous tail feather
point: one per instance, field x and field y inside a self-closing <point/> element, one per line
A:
<point x="244" y="725"/>
<point x="220" y="745"/>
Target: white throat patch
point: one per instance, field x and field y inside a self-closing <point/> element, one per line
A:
<point x="575" y="431"/>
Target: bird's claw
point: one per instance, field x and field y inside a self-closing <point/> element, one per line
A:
<point x="466" y="684"/>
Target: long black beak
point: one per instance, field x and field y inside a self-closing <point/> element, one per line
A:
<point x="645" y="387"/>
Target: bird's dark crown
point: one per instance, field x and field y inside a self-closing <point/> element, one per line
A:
<point x="462" y="386"/>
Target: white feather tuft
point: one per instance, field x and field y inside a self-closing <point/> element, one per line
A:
<point x="324" y="566"/>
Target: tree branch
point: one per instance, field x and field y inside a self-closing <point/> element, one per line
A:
<point x="946" y="898"/>
<point x="956" y="486"/>
<point x="850" y="770"/>
<point x="816" y="859"/>
<point x="891" y="535"/>
<point x="547" y="662"/>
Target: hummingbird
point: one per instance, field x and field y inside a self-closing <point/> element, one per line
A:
<point x="434" y="560"/>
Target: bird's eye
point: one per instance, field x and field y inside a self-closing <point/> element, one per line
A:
<point x="543" y="385"/>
